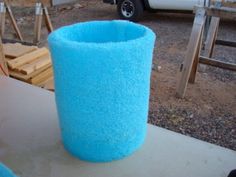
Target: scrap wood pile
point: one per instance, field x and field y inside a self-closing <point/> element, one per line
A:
<point x="29" y="64"/>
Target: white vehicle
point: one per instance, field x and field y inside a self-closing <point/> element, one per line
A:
<point x="133" y="9"/>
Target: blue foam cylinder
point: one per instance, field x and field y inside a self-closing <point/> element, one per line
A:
<point x="102" y="81"/>
<point x="5" y="171"/>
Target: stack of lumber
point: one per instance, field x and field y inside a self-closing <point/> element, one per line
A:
<point x="29" y="63"/>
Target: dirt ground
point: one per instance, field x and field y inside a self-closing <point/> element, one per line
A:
<point x="208" y="111"/>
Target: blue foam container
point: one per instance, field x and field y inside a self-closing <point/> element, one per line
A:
<point x="6" y="172"/>
<point x="102" y="80"/>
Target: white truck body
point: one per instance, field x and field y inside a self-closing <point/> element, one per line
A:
<point x="176" y="4"/>
<point x="133" y="9"/>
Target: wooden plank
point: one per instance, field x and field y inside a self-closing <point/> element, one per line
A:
<point x="12" y="18"/>
<point x="211" y="37"/>
<point x="217" y="63"/>
<point x="26" y="78"/>
<point x="185" y="69"/>
<point x="27" y="58"/>
<point x="35" y="65"/>
<point x="226" y="43"/>
<point x="8" y="59"/>
<point x="225" y="3"/>
<point x="16" y="50"/>
<point x="48" y="84"/>
<point x="38" y="22"/>
<point x="222" y="12"/>
<point x="3" y="65"/>
<point x="5" y="40"/>
<point x="193" y="73"/>
<point x="47" y="20"/>
<point x="42" y="76"/>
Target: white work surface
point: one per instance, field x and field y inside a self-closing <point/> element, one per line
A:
<point x="30" y="144"/>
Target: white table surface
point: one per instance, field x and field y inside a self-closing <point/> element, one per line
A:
<point x="30" y="144"/>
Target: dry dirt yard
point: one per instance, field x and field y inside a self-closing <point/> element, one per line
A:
<point x="208" y="111"/>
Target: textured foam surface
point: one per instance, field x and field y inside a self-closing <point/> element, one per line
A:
<point x="102" y="81"/>
<point x="5" y="172"/>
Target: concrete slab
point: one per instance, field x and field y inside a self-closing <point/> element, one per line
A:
<point x="30" y="144"/>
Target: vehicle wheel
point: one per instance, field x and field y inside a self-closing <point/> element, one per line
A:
<point x="130" y="9"/>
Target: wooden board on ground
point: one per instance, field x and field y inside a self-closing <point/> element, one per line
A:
<point x="3" y="65"/>
<point x="35" y="65"/>
<point x="42" y="76"/>
<point x="27" y="58"/>
<point x="48" y="84"/>
<point x="8" y="59"/>
<point x="16" y="50"/>
<point x="26" y="78"/>
<point x="30" y="64"/>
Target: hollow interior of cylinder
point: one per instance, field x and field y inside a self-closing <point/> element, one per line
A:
<point x="103" y="32"/>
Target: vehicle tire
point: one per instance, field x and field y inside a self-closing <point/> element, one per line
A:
<point x="130" y="9"/>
